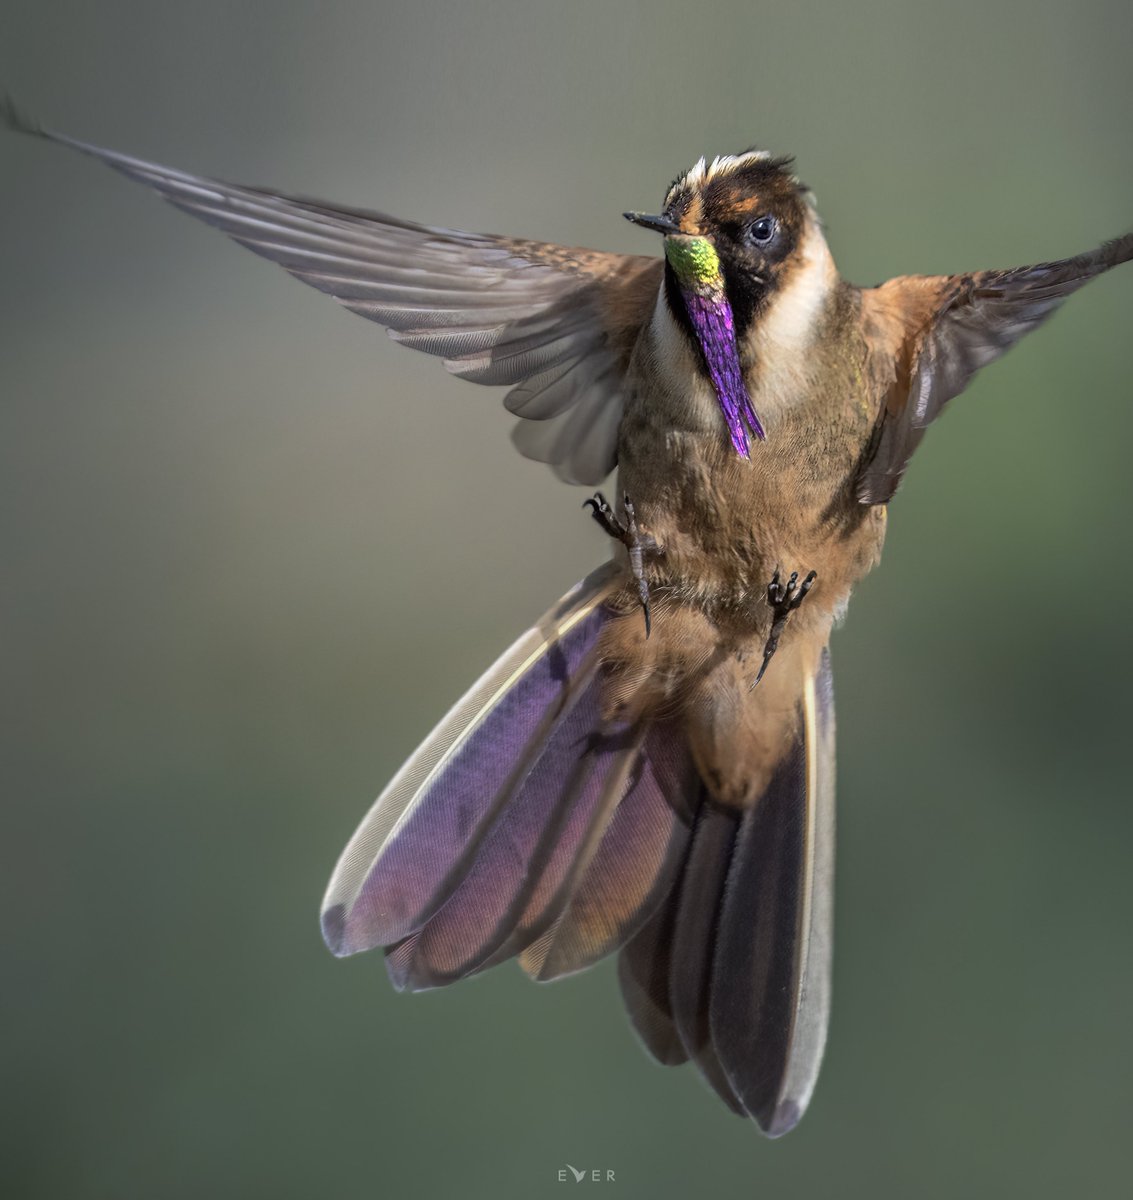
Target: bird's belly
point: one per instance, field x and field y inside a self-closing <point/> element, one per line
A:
<point x="723" y="525"/>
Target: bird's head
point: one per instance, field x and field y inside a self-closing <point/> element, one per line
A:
<point x="735" y="231"/>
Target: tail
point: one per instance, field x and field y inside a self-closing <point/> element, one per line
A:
<point x="732" y="970"/>
<point x="524" y="825"/>
<point x="528" y="826"/>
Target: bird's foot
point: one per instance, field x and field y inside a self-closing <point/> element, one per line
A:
<point x="635" y="542"/>
<point x="783" y="598"/>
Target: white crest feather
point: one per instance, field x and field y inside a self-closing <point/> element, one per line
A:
<point x="702" y="172"/>
<point x="724" y="164"/>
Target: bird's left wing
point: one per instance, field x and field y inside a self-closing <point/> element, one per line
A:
<point x="929" y="334"/>
<point x="555" y="323"/>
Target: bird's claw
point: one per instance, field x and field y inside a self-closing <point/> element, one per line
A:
<point x="634" y="541"/>
<point x="783" y="598"/>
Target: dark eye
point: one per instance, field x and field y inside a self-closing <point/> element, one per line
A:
<point x="762" y="230"/>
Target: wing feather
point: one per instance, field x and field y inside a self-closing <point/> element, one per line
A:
<point x="932" y="333"/>
<point x="498" y="310"/>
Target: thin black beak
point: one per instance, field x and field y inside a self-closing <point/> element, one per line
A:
<point x="660" y="224"/>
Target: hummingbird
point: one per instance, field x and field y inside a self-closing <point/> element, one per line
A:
<point x="649" y="769"/>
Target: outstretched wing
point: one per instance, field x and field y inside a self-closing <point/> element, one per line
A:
<point x="554" y="323"/>
<point x="939" y="330"/>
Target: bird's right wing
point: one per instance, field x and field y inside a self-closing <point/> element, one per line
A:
<point x="554" y="323"/>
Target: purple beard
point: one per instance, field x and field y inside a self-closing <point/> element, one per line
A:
<point x="711" y="317"/>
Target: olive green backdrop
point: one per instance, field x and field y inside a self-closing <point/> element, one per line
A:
<point x="251" y="551"/>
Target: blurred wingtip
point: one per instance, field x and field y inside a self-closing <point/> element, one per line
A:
<point x="17" y="118"/>
<point x="1121" y="248"/>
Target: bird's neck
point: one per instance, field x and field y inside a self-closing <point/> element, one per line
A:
<point x="776" y="349"/>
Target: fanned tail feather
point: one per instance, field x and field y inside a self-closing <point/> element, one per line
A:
<point x="633" y="868"/>
<point x="422" y="836"/>
<point x="530" y="863"/>
<point x="528" y="825"/>
<point x="733" y="970"/>
<point x="525" y="825"/>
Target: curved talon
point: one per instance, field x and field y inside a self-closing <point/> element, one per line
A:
<point x="604" y="515"/>
<point x="643" y="596"/>
<point x="783" y="599"/>
<point x="635" y="543"/>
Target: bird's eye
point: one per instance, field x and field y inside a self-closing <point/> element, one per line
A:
<point x="762" y="230"/>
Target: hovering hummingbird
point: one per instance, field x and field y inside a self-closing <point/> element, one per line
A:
<point x="650" y="768"/>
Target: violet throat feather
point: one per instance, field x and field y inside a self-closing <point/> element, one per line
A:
<point x="697" y="267"/>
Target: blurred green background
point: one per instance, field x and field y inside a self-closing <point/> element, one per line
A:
<point x="252" y="551"/>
